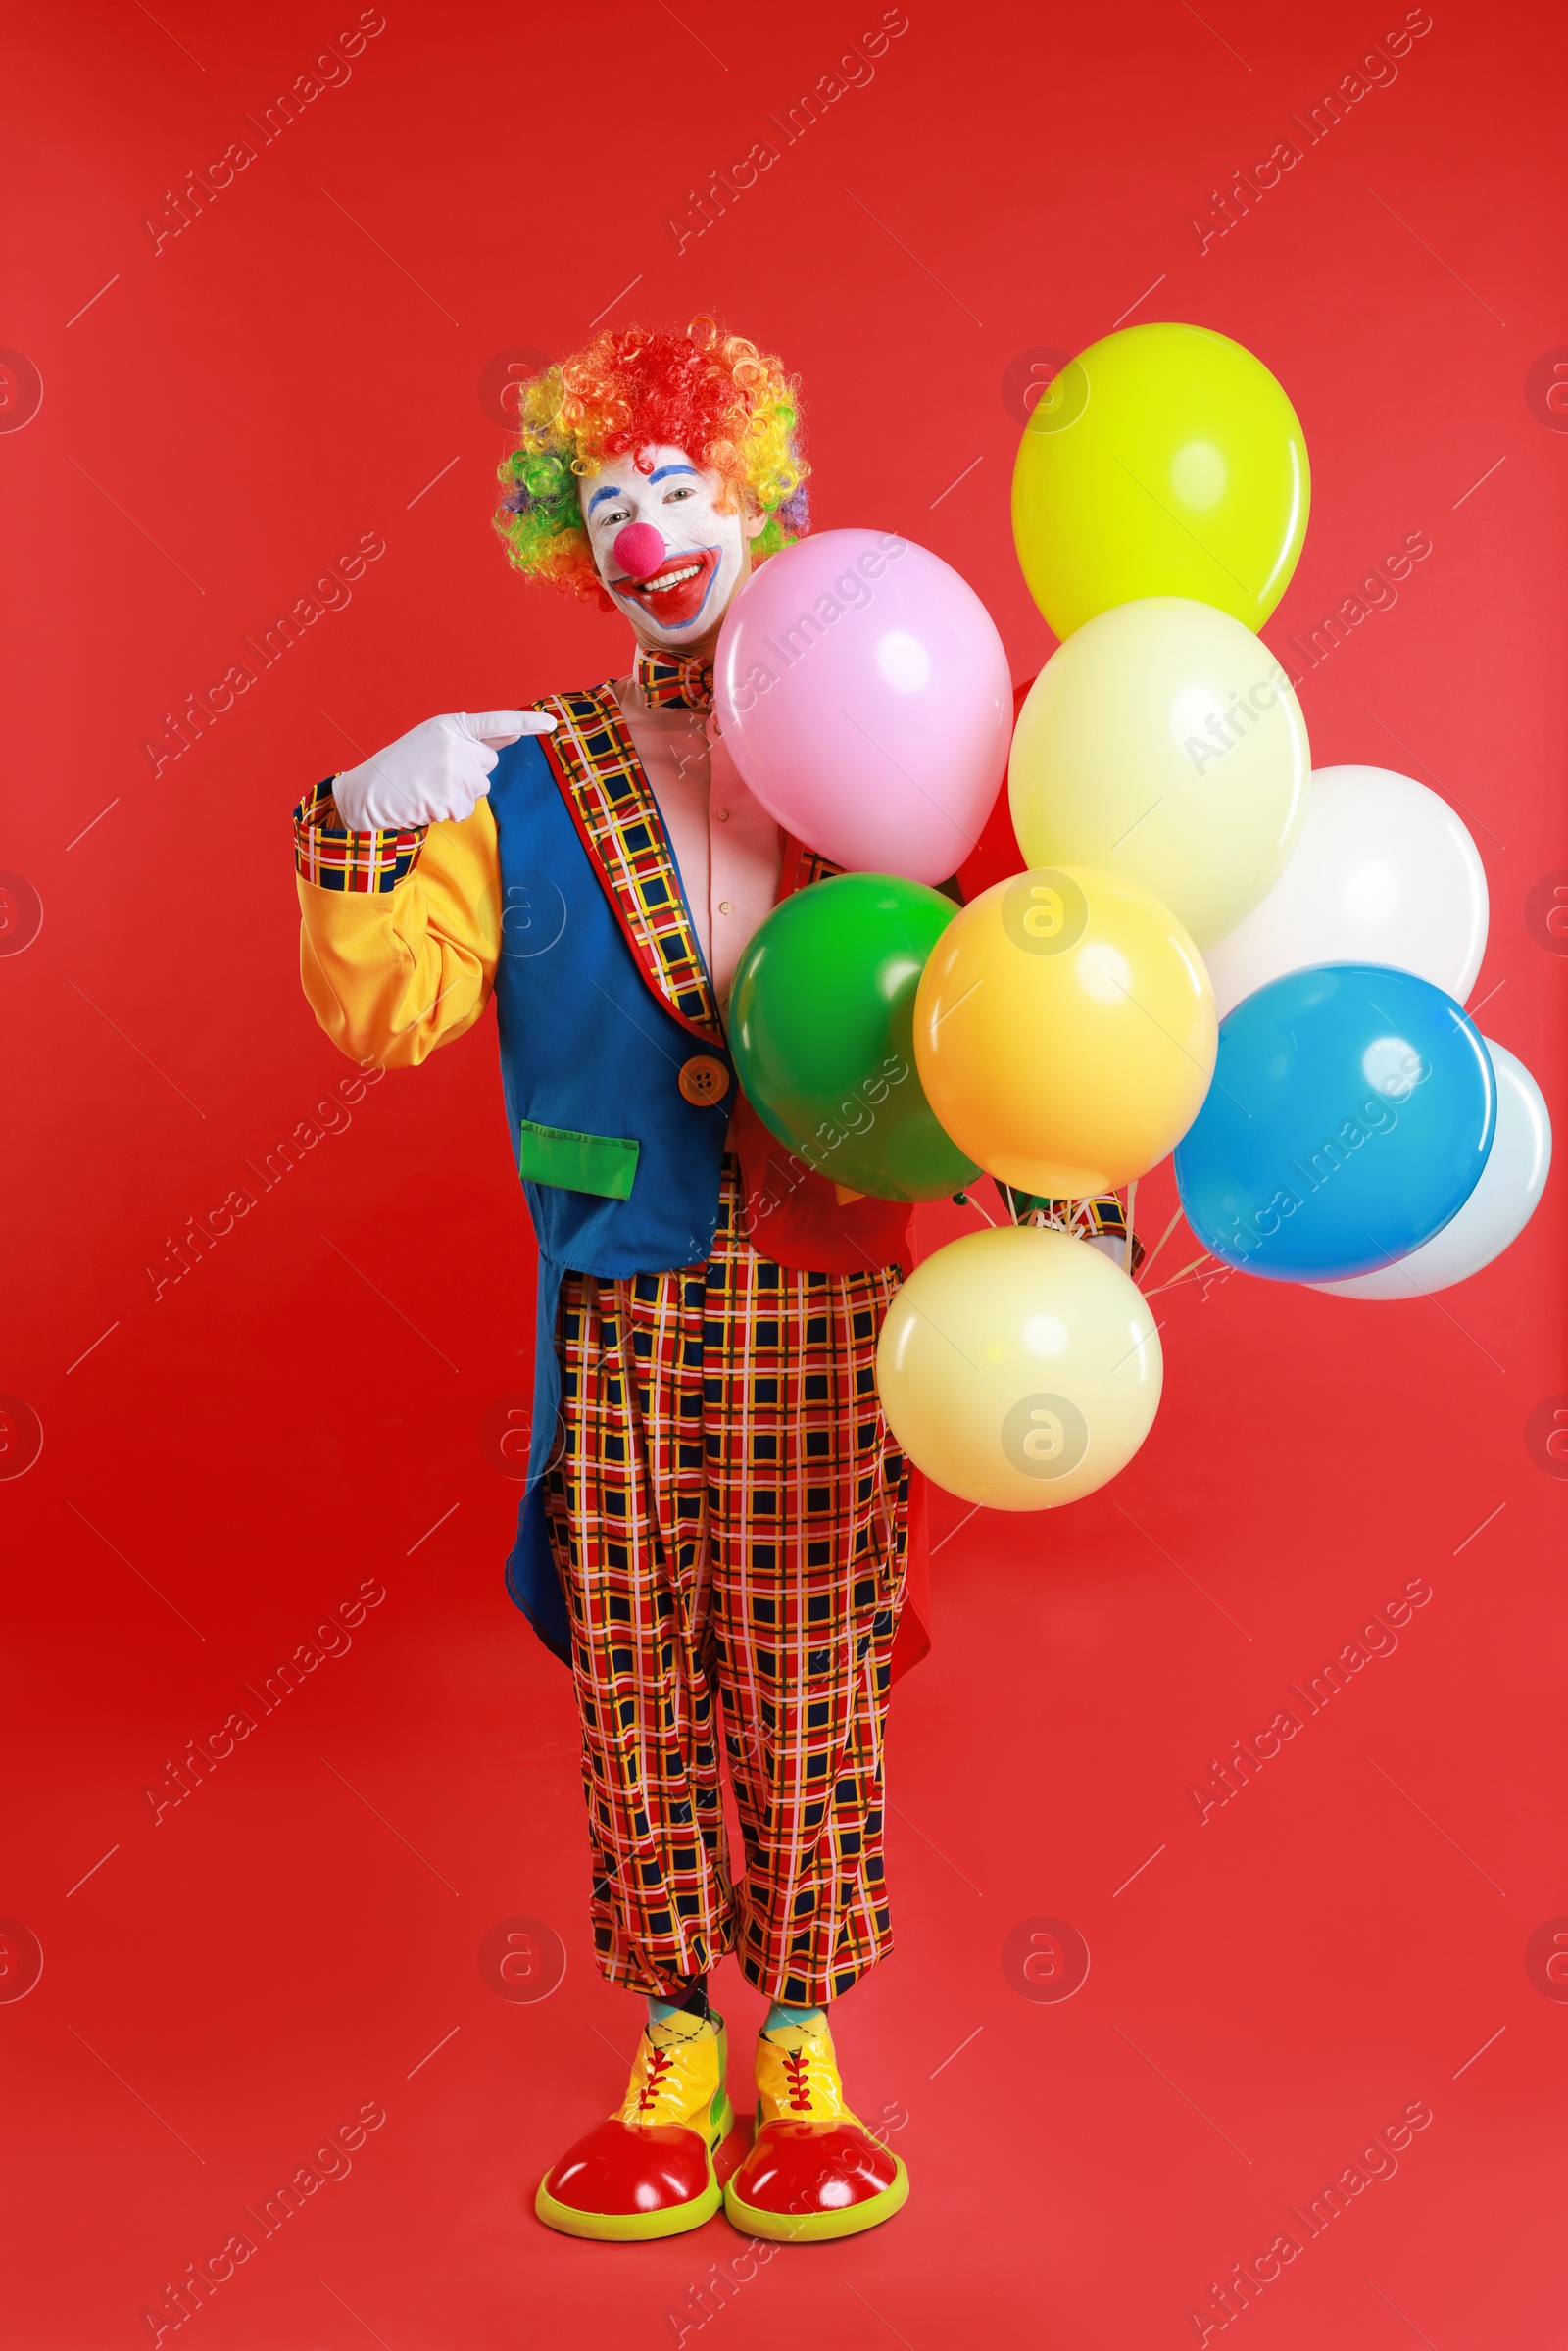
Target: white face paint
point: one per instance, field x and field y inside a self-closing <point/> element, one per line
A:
<point x="708" y="551"/>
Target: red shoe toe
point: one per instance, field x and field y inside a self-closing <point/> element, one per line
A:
<point x="616" y="2169"/>
<point x="624" y="2183"/>
<point x="810" y="2180"/>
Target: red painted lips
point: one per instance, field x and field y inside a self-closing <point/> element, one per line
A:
<point x="693" y="569"/>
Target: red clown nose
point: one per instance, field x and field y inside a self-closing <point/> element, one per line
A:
<point x="639" y="549"/>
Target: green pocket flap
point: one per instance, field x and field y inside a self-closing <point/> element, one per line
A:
<point x="605" y="1164"/>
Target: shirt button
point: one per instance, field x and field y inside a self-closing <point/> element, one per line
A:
<point x="722" y="816"/>
<point x="704" y="1079"/>
<point x="723" y="906"/>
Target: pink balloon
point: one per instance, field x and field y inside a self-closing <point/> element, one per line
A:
<point x="865" y="695"/>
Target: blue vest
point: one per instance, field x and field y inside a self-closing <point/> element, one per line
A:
<point x="620" y="1169"/>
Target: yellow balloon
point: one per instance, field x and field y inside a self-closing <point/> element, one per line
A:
<point x="1163" y="461"/>
<point x="1019" y="1368"/>
<point x="1065" y="1031"/>
<point x="1163" y="742"/>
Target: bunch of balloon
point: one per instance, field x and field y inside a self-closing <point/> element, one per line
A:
<point x="1063" y="1031"/>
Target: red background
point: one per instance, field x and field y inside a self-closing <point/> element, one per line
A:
<point x="223" y="417"/>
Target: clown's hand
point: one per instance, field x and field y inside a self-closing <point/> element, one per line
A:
<point x="436" y="771"/>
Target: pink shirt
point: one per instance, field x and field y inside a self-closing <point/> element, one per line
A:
<point x="726" y="845"/>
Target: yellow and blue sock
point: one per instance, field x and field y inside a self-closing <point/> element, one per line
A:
<point x="789" y="2027"/>
<point x="692" y="2004"/>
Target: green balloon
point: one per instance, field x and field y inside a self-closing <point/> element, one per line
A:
<point x="821" y="1028"/>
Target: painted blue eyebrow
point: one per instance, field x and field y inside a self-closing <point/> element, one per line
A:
<point x="664" y="470"/>
<point x="598" y="494"/>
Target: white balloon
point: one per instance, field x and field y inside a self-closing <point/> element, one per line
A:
<point x="1496" y="1211"/>
<point x="1383" y="872"/>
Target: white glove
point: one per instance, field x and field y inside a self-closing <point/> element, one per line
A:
<point x="438" y="771"/>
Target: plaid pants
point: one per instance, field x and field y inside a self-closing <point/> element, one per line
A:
<point x="728" y="1515"/>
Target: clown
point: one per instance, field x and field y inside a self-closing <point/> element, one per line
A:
<point x="715" y="1531"/>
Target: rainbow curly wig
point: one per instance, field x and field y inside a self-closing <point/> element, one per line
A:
<point x="728" y="405"/>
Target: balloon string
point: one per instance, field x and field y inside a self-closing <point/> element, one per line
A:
<point x="1149" y="1261"/>
<point x="1203" y="1259"/>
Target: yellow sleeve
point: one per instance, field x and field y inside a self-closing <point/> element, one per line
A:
<point x="392" y="972"/>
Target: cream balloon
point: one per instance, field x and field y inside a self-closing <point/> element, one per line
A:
<point x="1383" y="872"/>
<point x="1019" y="1368"/>
<point x="1497" y="1210"/>
<point x="1162" y="742"/>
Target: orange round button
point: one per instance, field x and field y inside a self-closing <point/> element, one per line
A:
<point x="704" y="1080"/>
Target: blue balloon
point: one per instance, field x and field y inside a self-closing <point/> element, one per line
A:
<point x="1349" y="1117"/>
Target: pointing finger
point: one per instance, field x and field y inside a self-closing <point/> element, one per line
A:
<point x="498" y="728"/>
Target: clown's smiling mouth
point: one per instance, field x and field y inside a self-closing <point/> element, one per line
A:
<point x="677" y="591"/>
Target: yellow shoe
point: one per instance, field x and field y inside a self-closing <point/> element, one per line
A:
<point x="814" y="2169"/>
<point x="649" y="2169"/>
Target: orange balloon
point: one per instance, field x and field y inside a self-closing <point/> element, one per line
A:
<point x="1065" y="1031"/>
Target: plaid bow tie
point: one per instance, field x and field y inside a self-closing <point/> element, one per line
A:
<point x="672" y="684"/>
